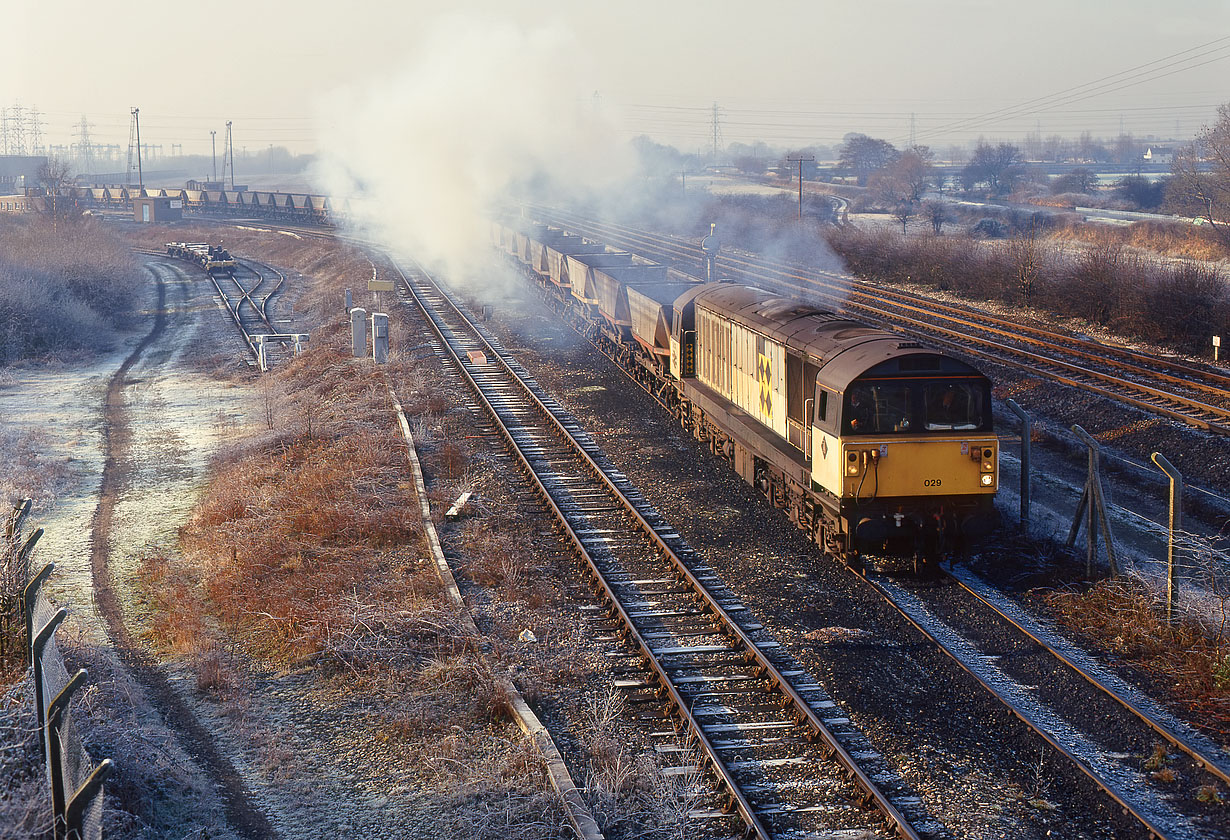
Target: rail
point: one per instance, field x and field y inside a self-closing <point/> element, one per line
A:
<point x="256" y="342"/>
<point x="1202" y="756"/>
<point x="1115" y="780"/>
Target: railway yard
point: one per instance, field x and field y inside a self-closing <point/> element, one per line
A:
<point x="702" y="666"/>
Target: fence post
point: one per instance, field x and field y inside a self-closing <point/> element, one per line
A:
<point x="1175" y="526"/>
<point x="84" y="796"/>
<point x="1095" y="497"/>
<point x="56" y="711"/>
<point x="1026" y="425"/>
<point x="36" y="659"/>
<point x="28" y="597"/>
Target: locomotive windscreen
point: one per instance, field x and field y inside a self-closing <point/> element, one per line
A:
<point x="912" y="406"/>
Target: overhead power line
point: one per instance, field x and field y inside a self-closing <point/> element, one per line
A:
<point x="1097" y="87"/>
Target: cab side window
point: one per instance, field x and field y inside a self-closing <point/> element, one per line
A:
<point x="824" y="414"/>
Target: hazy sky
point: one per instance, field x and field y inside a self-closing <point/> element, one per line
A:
<point x="787" y="72"/>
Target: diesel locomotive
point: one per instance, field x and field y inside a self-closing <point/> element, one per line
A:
<point x="871" y="442"/>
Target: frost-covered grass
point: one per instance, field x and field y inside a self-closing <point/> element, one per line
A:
<point x="64" y="289"/>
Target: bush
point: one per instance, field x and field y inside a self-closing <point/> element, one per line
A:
<point x="990" y="228"/>
<point x="64" y="289"/>
<point x="1180" y="304"/>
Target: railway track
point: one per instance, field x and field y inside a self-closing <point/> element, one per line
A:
<point x="1197" y="396"/>
<point x="781" y="754"/>
<point x="1029" y="689"/>
<point x="1085" y="714"/>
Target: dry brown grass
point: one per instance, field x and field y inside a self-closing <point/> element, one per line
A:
<point x="1171" y="239"/>
<point x="1190" y="660"/>
<point x="290" y="530"/>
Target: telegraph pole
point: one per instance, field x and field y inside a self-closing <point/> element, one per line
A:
<point x="230" y="145"/>
<point x="800" y="160"/>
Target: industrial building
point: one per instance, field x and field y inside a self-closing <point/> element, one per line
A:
<point x="158" y="209"/>
<point x="17" y="172"/>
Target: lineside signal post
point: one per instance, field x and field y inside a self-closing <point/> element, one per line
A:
<point x="1216" y="347"/>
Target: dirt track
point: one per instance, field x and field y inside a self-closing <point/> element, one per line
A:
<point x="246" y="819"/>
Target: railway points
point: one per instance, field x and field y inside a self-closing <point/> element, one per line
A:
<point x="240" y="281"/>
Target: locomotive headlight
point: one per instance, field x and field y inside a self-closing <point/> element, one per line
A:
<point x="988" y="460"/>
<point x="987" y="479"/>
<point x="852" y="464"/>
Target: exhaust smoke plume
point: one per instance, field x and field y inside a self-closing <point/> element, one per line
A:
<point x="481" y="109"/>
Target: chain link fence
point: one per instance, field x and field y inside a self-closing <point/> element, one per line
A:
<point x="76" y="781"/>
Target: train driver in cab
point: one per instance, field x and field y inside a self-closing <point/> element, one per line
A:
<point x="862" y="410"/>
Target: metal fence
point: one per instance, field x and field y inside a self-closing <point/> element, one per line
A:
<point x="76" y="782"/>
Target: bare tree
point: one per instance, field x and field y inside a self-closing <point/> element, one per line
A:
<point x="862" y="155"/>
<point x="906" y="178"/>
<point x="995" y="166"/>
<point x="1079" y="180"/>
<point x="1127" y="150"/>
<point x="936" y="212"/>
<point x="1026" y="254"/>
<point x="914" y="170"/>
<point x="1201" y="183"/>
<point x="55" y="173"/>
<point x="903" y="212"/>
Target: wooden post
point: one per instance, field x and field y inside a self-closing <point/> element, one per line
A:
<point x="800" y="160"/>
